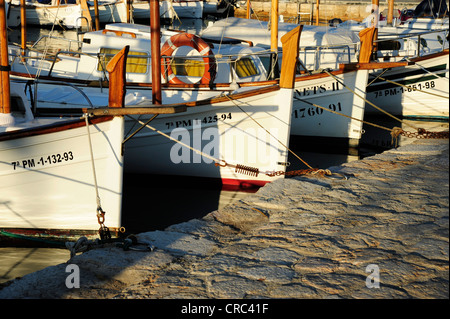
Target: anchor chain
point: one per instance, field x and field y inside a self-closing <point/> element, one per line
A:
<point x="423" y="133"/>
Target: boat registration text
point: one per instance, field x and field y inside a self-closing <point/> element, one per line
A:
<point x="43" y="160"/>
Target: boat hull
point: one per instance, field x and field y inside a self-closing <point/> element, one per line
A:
<point x="252" y="131"/>
<point x="315" y="98"/>
<point x="47" y="182"/>
<point x="429" y="76"/>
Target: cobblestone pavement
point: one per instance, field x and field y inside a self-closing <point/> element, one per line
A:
<point x="382" y="233"/>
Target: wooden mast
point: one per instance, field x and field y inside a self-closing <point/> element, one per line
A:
<point x="5" y="102"/>
<point x="317" y="11"/>
<point x="390" y="16"/>
<point x="155" y="30"/>
<point x="274" y="27"/>
<point x="23" y="26"/>
<point x="128" y="5"/>
<point x="97" y="18"/>
<point x="376" y="13"/>
<point x="273" y="72"/>
<point x="249" y="10"/>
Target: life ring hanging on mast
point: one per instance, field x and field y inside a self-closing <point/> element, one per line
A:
<point x="195" y="42"/>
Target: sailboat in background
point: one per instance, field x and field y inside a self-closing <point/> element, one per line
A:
<point x="66" y="13"/>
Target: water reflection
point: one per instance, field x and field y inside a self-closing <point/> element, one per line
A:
<point x="153" y="202"/>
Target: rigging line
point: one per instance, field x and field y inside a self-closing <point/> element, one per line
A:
<point x="177" y="141"/>
<point x="223" y="32"/>
<point x="174" y="12"/>
<point x="428" y="71"/>
<point x="377" y="77"/>
<point x="46" y="48"/>
<point x="86" y="117"/>
<point x="285" y="146"/>
<point x="139" y="129"/>
<point x="414" y="89"/>
<point x="218" y="162"/>
<point x="367" y="101"/>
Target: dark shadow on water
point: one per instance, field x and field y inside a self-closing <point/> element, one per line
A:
<point x="152" y="202"/>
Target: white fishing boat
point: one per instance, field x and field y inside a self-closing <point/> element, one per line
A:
<point x="141" y="10"/>
<point x="47" y="183"/>
<point x="67" y="14"/>
<point x="426" y="98"/>
<point x="188" y="8"/>
<point x="217" y="7"/>
<point x="49" y="189"/>
<point x="61" y="178"/>
<point x="420" y="90"/>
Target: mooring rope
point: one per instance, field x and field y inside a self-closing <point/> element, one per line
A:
<point x="367" y="101"/>
<point x="285" y="146"/>
<point x="396" y="131"/>
<point x="239" y="168"/>
<point x="103" y="231"/>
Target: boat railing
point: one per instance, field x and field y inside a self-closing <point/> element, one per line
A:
<point x="79" y="24"/>
<point x="71" y="43"/>
<point x="318" y="54"/>
<point x="140" y="60"/>
<point x="392" y="42"/>
<point x="36" y="82"/>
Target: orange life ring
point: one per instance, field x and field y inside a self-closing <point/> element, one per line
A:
<point x="193" y="41"/>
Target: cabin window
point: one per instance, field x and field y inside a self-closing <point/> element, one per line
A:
<point x="187" y="67"/>
<point x="389" y="45"/>
<point x="245" y="67"/>
<point x="135" y="64"/>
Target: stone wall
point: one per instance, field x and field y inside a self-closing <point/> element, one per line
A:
<point x="328" y="9"/>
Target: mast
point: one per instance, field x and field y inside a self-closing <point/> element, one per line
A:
<point x="97" y="18"/>
<point x="273" y="72"/>
<point x="23" y="26"/>
<point x="155" y="30"/>
<point x="390" y="16"/>
<point x="376" y="17"/>
<point x="317" y="11"/>
<point x="249" y="10"/>
<point x="274" y="27"/>
<point x="5" y="102"/>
